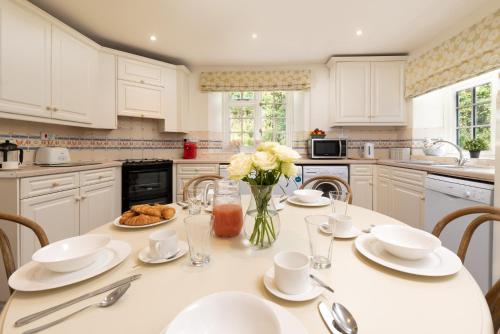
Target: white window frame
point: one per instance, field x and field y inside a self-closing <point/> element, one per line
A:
<point x="491" y="78"/>
<point x="227" y="103"/>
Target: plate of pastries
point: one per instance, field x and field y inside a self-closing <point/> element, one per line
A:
<point x="145" y="215"/>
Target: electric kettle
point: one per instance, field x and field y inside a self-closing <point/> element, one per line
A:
<point x="369" y="151"/>
<point x="11" y="154"/>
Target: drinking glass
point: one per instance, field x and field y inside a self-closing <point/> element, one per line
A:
<point x="320" y="243"/>
<point x="198" y="228"/>
<point x="194" y="200"/>
<point x="339" y="200"/>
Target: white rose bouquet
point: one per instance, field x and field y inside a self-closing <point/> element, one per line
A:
<point x="262" y="170"/>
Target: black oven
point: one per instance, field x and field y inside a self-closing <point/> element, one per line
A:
<point x="146" y="181"/>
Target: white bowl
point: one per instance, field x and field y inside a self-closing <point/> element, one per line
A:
<point x="227" y="312"/>
<point x="308" y="195"/>
<point x="71" y="254"/>
<point x="406" y="242"/>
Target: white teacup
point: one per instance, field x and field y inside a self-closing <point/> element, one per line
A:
<point x="10" y="164"/>
<point x="291" y="272"/>
<point x="342" y="223"/>
<point x="162" y="244"/>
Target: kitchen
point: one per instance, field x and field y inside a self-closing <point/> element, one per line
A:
<point x="105" y="112"/>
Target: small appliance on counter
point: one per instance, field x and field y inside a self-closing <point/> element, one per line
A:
<point x="190" y="149"/>
<point x="57" y="157"/>
<point x="327" y="148"/>
<point x="369" y="151"/>
<point x="12" y="155"/>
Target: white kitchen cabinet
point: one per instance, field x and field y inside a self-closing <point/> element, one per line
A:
<point x="352" y="91"/>
<point x="96" y="208"/>
<point x="140" y="72"/>
<point x="177" y="98"/>
<point x="140" y="100"/>
<point x="25" y="49"/>
<point x="387" y="92"/>
<point x="74" y="67"/>
<point x="57" y="213"/>
<point x="400" y="193"/>
<point x="185" y="172"/>
<point x="367" y="91"/>
<point x="361" y="182"/>
<point x="408" y="203"/>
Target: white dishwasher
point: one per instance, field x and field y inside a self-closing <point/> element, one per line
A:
<point x="447" y="194"/>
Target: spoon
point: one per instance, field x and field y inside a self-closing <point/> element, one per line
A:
<point x="343" y="319"/>
<point x="107" y="301"/>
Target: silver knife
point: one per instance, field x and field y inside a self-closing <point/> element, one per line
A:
<point x="327" y="316"/>
<point x="35" y="316"/>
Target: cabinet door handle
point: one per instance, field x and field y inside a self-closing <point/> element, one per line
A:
<point x="83" y="197"/>
<point x="142" y="81"/>
<point x="47" y="108"/>
<point x="54" y="109"/>
<point x="422" y="198"/>
<point x="78" y="199"/>
<point x="55" y="184"/>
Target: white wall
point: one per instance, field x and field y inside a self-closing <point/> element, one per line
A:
<point x="496" y="226"/>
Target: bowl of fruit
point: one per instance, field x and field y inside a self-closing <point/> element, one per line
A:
<point x="317" y="133"/>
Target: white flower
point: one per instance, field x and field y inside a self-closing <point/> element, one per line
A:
<point x="267" y="146"/>
<point x="264" y="160"/>
<point x="285" y="153"/>
<point x="289" y="169"/>
<point x="240" y="166"/>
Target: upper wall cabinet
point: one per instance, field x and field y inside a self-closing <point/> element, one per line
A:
<point x="25" y="53"/>
<point x="177" y="98"/>
<point x="140" y="72"/>
<point x="367" y="91"/>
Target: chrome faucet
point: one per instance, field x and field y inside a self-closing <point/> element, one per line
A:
<point x="461" y="159"/>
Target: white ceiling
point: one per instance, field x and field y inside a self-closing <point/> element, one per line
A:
<point x="218" y="32"/>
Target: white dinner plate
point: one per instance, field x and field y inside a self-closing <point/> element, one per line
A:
<point x="146" y="258"/>
<point x="313" y="292"/>
<point x="34" y="277"/>
<point x="441" y="262"/>
<point x="322" y="202"/>
<point x="116" y="222"/>
<point x="288" y="322"/>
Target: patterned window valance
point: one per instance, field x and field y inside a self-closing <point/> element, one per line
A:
<point x="473" y="51"/>
<point x="255" y="80"/>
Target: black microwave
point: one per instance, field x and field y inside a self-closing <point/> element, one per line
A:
<point x="327" y="148"/>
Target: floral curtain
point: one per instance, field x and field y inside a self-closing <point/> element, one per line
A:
<point x="473" y="51"/>
<point x="255" y="80"/>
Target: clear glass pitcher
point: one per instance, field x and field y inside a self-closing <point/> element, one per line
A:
<point x="227" y="210"/>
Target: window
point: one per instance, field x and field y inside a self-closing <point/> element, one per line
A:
<point x="258" y="116"/>
<point x="473" y="112"/>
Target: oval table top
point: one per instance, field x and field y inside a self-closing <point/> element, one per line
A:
<point x="382" y="300"/>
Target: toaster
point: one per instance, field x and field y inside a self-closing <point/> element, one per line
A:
<point x="52" y="156"/>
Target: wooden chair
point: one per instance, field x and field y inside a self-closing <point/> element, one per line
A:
<point x="195" y="183"/>
<point x="5" y="248"/>
<point x="336" y="182"/>
<point x="487" y="213"/>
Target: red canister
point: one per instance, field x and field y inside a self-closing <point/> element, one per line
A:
<point x="189" y="149"/>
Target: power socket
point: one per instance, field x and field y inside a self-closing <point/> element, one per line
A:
<point x="47" y="136"/>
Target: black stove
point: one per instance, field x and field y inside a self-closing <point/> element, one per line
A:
<point x="146" y="181"/>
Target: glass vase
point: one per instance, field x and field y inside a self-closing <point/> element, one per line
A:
<point x="262" y="222"/>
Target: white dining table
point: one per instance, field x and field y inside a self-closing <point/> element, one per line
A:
<point x="382" y="300"/>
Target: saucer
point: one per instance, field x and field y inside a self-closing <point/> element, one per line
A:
<point x="144" y="255"/>
<point x="352" y="233"/>
<point x="323" y="201"/>
<point x="313" y="291"/>
<point x="441" y="262"/>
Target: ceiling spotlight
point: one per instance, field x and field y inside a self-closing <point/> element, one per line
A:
<point x="254" y="36"/>
<point x="359" y="32"/>
<point x="152" y="38"/>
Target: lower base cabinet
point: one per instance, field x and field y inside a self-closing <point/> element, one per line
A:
<point x="400" y="194"/>
<point x="98" y="206"/>
<point x="361" y="182"/>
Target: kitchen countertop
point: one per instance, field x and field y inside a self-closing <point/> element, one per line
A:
<point x="480" y="173"/>
<point x="303" y="161"/>
<point x="32" y="170"/>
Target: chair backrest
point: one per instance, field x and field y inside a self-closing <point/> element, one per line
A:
<point x="486" y="214"/>
<point x="195" y="184"/>
<point x="5" y="248"/>
<point x="334" y="183"/>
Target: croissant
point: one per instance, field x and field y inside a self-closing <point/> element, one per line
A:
<point x="141" y="220"/>
<point x="126" y="215"/>
<point x="147" y="209"/>
<point x="167" y="212"/>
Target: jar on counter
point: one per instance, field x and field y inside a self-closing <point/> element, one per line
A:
<point x="227" y="210"/>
